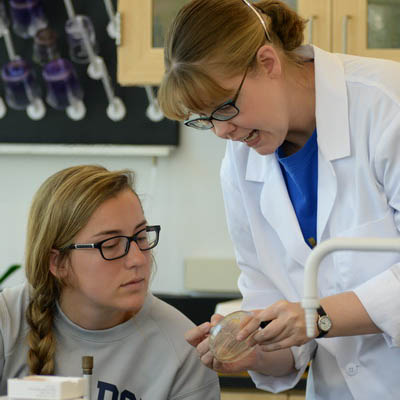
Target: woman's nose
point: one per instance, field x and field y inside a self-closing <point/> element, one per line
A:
<point x="135" y="256"/>
<point x="224" y="129"/>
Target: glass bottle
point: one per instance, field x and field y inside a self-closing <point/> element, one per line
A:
<point x="78" y="49"/>
<point x="45" y="46"/>
<point x="27" y="17"/>
<point x="64" y="91"/>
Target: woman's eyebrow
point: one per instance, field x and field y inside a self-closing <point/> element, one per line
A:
<point x="108" y="232"/>
<point x="144" y="222"/>
<point x="118" y="231"/>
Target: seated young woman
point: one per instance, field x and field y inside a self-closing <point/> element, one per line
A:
<point x="88" y="266"/>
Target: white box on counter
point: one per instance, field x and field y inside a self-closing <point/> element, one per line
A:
<point x="43" y="387"/>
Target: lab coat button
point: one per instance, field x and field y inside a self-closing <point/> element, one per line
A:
<point x="352" y="369"/>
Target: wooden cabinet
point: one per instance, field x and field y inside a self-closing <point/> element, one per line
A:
<point x="144" y="24"/>
<point x="143" y="27"/>
<point x="363" y="27"/>
<point x="319" y="26"/>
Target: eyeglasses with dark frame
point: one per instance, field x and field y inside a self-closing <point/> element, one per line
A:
<point x="118" y="246"/>
<point x="229" y="109"/>
<point x="224" y="112"/>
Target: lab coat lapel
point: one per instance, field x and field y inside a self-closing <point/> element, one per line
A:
<point x="333" y="133"/>
<point x="276" y="205"/>
<point x="327" y="189"/>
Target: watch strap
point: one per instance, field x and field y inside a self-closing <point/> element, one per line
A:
<point x="263" y="324"/>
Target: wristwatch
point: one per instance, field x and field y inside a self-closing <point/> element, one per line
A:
<point x="324" y="323"/>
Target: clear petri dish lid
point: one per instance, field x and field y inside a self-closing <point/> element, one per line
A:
<point x="222" y="339"/>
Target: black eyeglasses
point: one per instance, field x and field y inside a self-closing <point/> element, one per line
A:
<point x="224" y="112"/>
<point x="118" y="246"/>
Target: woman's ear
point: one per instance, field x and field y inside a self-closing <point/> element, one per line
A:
<point x="268" y="61"/>
<point x="56" y="266"/>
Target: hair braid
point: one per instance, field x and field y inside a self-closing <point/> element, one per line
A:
<point x="41" y="340"/>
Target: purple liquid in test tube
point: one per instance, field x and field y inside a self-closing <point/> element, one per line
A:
<point x="20" y="85"/>
<point x="63" y="88"/>
<point x="27" y="17"/>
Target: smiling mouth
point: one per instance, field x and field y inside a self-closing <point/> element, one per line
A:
<point x="252" y="135"/>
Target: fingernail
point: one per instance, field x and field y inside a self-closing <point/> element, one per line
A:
<point x="205" y="326"/>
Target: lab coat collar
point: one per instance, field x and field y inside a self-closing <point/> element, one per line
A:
<point x="331" y="105"/>
<point x="331" y="102"/>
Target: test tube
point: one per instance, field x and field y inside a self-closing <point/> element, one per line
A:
<point x="27" y="17"/>
<point x="80" y="29"/>
<point x="76" y="29"/>
<point x="21" y="88"/>
<point x="45" y="46"/>
<point x="5" y="32"/>
<point x="64" y="91"/>
<point x="97" y="69"/>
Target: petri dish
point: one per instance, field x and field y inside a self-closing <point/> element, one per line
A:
<point x="222" y="339"/>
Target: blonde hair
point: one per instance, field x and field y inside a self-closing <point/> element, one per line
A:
<point x="60" y="209"/>
<point x="224" y="35"/>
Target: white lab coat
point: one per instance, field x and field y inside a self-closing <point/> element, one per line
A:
<point x="358" y="131"/>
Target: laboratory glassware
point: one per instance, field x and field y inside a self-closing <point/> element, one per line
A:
<point x="76" y="40"/>
<point x="64" y="91"/>
<point x="22" y="89"/>
<point x="27" y="17"/>
<point x="82" y="41"/>
<point x="5" y="32"/>
<point x="45" y="46"/>
<point x="222" y="339"/>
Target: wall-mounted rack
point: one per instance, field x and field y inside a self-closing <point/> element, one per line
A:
<point x="144" y="136"/>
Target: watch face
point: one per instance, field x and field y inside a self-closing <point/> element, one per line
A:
<point x="324" y="323"/>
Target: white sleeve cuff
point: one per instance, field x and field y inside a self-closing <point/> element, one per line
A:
<point x="381" y="298"/>
<point x="302" y="355"/>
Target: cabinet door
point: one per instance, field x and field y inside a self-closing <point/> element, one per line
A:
<point x="144" y="24"/>
<point x="367" y="27"/>
<point x="318" y="14"/>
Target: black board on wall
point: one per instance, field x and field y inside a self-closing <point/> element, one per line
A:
<point x="96" y="128"/>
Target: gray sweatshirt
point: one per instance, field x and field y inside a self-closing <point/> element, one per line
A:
<point x="144" y="358"/>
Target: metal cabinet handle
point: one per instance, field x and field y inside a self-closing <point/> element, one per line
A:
<point x="311" y="28"/>
<point x="345" y="25"/>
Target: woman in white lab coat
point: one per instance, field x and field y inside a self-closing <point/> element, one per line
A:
<point x="312" y="154"/>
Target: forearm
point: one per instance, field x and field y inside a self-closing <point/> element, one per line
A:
<point x="348" y="315"/>
<point x="274" y="363"/>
